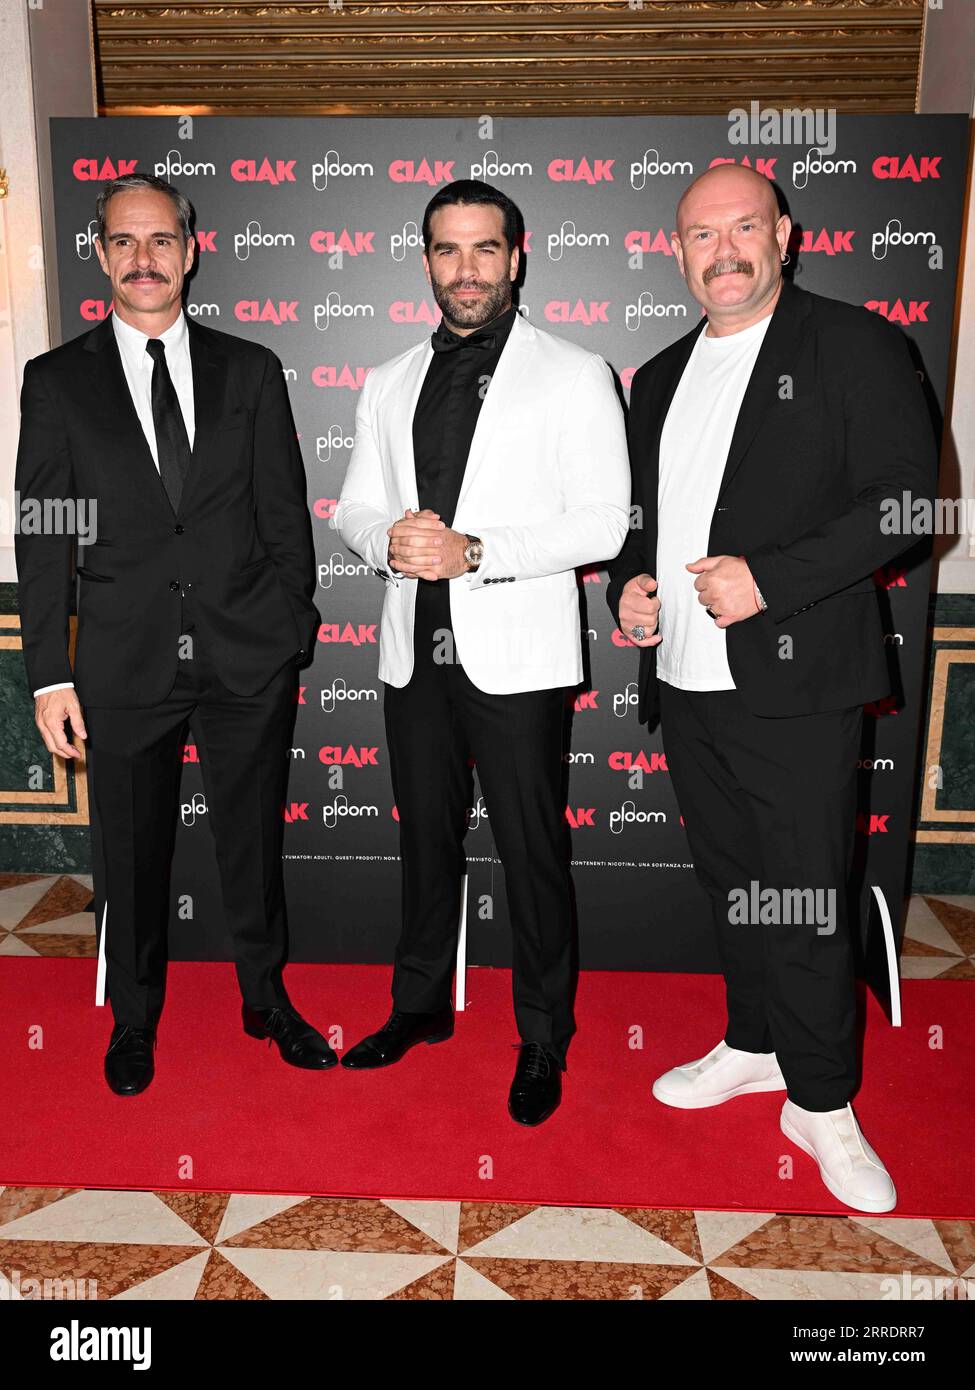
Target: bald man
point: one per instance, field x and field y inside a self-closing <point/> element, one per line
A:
<point x="762" y="446"/>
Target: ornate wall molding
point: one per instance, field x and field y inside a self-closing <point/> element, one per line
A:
<point x="623" y="57"/>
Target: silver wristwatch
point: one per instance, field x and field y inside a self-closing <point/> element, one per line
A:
<point x="473" y="552"/>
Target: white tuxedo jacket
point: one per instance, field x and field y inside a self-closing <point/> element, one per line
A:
<point x="547" y="488"/>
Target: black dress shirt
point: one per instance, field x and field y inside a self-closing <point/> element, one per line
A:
<point x="443" y="426"/>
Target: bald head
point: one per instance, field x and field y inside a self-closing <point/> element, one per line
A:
<point x="726" y="183"/>
<point x="729" y="243"/>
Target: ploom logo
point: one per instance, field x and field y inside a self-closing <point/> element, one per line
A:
<point x="337" y="566"/>
<point x="332" y="166"/>
<point x="341" y="809"/>
<point x="409" y="239"/>
<point x="491" y="166"/>
<point x="567" y="236"/>
<point x="814" y="164"/>
<point x="335" y="439"/>
<point x="339" y="693"/>
<point x="647" y="308"/>
<point x="629" y="815"/>
<point x="255" y="237"/>
<point x="648" y="168"/>
<point x="626" y="699"/>
<point x="175" y="167"/>
<point x="191" y="809"/>
<point x="894" y="235"/>
<point x="334" y="309"/>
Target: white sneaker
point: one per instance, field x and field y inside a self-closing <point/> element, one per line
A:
<point x="723" y="1073"/>
<point x="847" y="1164"/>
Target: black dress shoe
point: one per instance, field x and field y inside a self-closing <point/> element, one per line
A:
<point x="398" y="1034"/>
<point x="129" y="1064"/>
<point x="299" y="1043"/>
<point x="537" y="1088"/>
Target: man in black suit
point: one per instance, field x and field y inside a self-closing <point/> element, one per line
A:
<point x="762" y="447"/>
<point x="195" y="604"/>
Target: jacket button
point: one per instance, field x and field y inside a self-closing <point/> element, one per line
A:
<point x="178" y="530"/>
<point x="174" y="584"/>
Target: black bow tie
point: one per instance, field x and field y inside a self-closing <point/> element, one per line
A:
<point x="443" y="340"/>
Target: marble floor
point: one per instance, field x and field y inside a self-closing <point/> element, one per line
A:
<point x="189" y="1246"/>
<point x="161" y="1245"/>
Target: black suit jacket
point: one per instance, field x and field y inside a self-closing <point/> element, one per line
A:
<point x="800" y="499"/>
<point x="241" y="543"/>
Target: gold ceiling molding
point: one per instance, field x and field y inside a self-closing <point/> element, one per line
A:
<point x="619" y="57"/>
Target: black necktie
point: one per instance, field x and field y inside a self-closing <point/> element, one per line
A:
<point x="172" y="441"/>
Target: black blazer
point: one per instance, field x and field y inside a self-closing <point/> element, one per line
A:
<point x="800" y="499"/>
<point x="241" y="540"/>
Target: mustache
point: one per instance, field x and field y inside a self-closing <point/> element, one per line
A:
<point x="735" y="265"/>
<point x="143" y="275"/>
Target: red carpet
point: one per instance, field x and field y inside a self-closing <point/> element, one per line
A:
<point x="226" y="1114"/>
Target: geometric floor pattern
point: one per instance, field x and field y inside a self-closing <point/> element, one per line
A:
<point x="47" y="915"/>
<point x="939" y="938"/>
<point x="194" y="1246"/>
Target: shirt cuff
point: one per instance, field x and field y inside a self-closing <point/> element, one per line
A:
<point x="64" y="685"/>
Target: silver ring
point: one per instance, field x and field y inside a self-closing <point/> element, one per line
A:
<point x="639" y="632"/>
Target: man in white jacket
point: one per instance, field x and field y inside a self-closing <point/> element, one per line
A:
<point x="489" y="462"/>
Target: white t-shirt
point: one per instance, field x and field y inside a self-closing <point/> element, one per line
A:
<point x="694" y="448"/>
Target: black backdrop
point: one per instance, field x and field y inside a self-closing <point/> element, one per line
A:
<point x="309" y="233"/>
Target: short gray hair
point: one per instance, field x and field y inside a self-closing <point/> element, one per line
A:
<point x="184" y="208"/>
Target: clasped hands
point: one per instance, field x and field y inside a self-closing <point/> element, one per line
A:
<point x="724" y="585"/>
<point x="421" y="546"/>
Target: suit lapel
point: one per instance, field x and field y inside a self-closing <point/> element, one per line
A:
<point x="209" y="384"/>
<point x="662" y="393"/>
<point x="404" y="461"/>
<point x="112" y="392"/>
<point x="510" y="371"/>
<point x="209" y="366"/>
<point x="775" y="358"/>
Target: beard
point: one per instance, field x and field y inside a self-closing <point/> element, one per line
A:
<point x="465" y="313"/>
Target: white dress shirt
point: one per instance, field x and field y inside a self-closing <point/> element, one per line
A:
<point x="694" y="445"/>
<point x="137" y="366"/>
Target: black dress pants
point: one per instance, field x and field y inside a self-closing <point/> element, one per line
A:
<point x="436" y="725"/>
<point x="772" y="802"/>
<point x="134" y="766"/>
